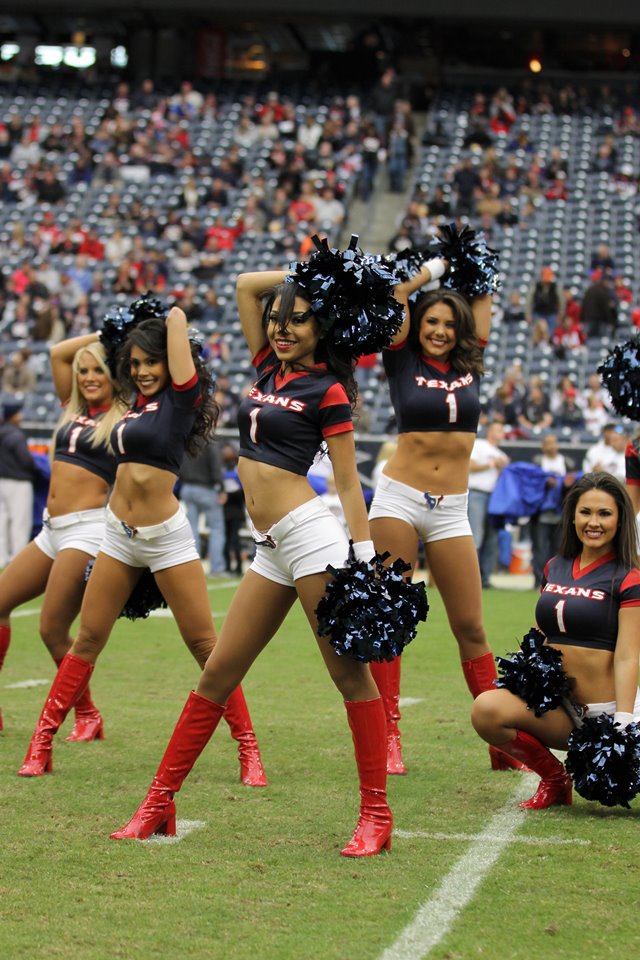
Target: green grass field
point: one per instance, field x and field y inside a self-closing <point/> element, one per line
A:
<point x="262" y="876"/>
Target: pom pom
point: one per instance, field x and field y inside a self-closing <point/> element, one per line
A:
<point x="370" y="611"/>
<point x="351" y="295"/>
<point x="407" y="263"/>
<point x="473" y="266"/>
<point x="620" y="373"/>
<point x="604" y="761"/>
<point x="535" y="674"/>
<point x="118" y="322"/>
<point x="144" y="597"/>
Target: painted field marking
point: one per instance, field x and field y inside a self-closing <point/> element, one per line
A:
<point x="27" y="683"/>
<point x="26" y="613"/>
<point x="166" y="614"/>
<point x="435" y="918"/>
<point x="411" y="701"/>
<point x="467" y="837"/>
<point x="183" y="829"/>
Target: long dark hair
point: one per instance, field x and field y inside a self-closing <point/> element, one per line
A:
<point x="338" y="362"/>
<point x="625" y="541"/>
<point x="466" y="356"/>
<point x="151" y="337"/>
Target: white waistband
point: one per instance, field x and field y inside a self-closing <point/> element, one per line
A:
<point x="146" y="533"/>
<point x="68" y="519"/>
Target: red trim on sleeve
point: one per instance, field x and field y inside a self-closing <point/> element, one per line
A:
<point x="261" y="355"/>
<point x="630" y="603"/>
<point x="336" y="428"/>
<point x="632" y="579"/>
<point x="482" y="342"/>
<point x="632" y="482"/>
<point x="335" y="396"/>
<point x="630" y="450"/>
<point x="397" y="346"/>
<point x="191" y="382"/>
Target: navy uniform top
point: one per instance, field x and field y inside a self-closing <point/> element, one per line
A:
<point x="72" y="444"/>
<point x="284" y="419"/>
<point x="632" y="464"/>
<point x="580" y="607"/>
<point x="156" y="428"/>
<point x="429" y="395"/>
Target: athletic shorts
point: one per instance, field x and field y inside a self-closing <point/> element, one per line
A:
<point x="157" y="547"/>
<point x="432" y="517"/>
<point x="595" y="709"/>
<point x="305" y="541"/>
<point x="73" y="531"/>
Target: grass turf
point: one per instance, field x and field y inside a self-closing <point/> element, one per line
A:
<point x="263" y="877"/>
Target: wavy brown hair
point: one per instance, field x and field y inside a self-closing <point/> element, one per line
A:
<point x="625" y="541"/>
<point x="466" y="356"/>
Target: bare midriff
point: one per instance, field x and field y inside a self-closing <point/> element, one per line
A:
<point x="143" y="495"/>
<point x="592" y="671"/>
<point x="437" y="463"/>
<point x="271" y="492"/>
<point x="73" y="489"/>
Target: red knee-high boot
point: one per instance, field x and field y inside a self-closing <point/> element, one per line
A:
<point x="157" y="812"/>
<point x="88" y="723"/>
<point x="387" y="678"/>
<point x="237" y="716"/>
<point x="5" y="640"/>
<point x="480" y="672"/>
<point x="555" y="784"/>
<point x="375" y="822"/>
<point x="69" y="684"/>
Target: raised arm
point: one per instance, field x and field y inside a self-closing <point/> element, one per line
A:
<point x="61" y="356"/>
<point x="431" y="270"/>
<point x="249" y="289"/>
<point x="481" y="309"/>
<point x="179" y="359"/>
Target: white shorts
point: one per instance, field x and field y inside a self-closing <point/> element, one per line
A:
<point x="158" y="547"/>
<point x="72" y="531"/>
<point x="305" y="541"/>
<point x="595" y="709"/>
<point x="438" y="518"/>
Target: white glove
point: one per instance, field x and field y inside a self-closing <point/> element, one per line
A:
<point x="622" y="719"/>
<point x="364" y="550"/>
<point x="436" y="267"/>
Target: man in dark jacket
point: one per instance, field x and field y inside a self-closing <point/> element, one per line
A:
<point x="203" y="494"/>
<point x="17" y="472"/>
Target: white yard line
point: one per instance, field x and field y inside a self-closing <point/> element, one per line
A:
<point x="435" y="918"/>
<point x="468" y="837"/>
<point x="411" y="701"/>
<point x="183" y="829"/>
<point x="27" y="683"/>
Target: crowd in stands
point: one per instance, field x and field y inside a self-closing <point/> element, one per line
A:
<point x="105" y="198"/>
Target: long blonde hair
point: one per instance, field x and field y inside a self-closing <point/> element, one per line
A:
<point x="77" y="405"/>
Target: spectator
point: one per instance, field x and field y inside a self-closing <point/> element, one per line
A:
<point x="608" y="453"/>
<point x="545" y="526"/>
<point x="569" y="413"/>
<point x="487" y="460"/>
<point x="234" y="511"/>
<point x="602" y="260"/>
<point x="599" y="308"/>
<point x="17" y="473"/>
<point x="514" y="312"/>
<point x="540" y="337"/>
<point x="202" y="494"/>
<point x="535" y="414"/>
<point x="545" y="300"/>
<point x="569" y="338"/>
<point x="17" y="376"/>
<point x="595" y="415"/>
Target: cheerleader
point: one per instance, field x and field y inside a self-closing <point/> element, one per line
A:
<point x="82" y="471"/>
<point x="146" y="527"/>
<point x="589" y="610"/>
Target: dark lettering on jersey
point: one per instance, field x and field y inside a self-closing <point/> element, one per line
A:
<point x="465" y="381"/>
<point x="148" y="408"/>
<point x="287" y="402"/>
<point x="585" y="592"/>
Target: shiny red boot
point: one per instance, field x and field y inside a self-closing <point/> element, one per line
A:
<point x="375" y="823"/>
<point x="480" y="673"/>
<point x="88" y="723"/>
<point x="387" y="678"/>
<point x="555" y="785"/>
<point x="237" y="716"/>
<point x="157" y="812"/>
<point x="69" y="684"/>
<point x="5" y="640"/>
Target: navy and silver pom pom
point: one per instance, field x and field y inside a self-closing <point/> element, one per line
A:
<point x="473" y="266"/>
<point x="620" y="373"/>
<point x="119" y="321"/>
<point x="143" y="599"/>
<point x="351" y="296"/>
<point x="370" y="611"/>
<point x="604" y="761"/>
<point x="535" y="674"/>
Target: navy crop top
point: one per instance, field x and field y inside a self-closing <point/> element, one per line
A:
<point x="156" y="428"/>
<point x="428" y="395"/>
<point x="632" y="464"/>
<point x="72" y="444"/>
<point x="580" y="607"/>
<point x="283" y="420"/>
